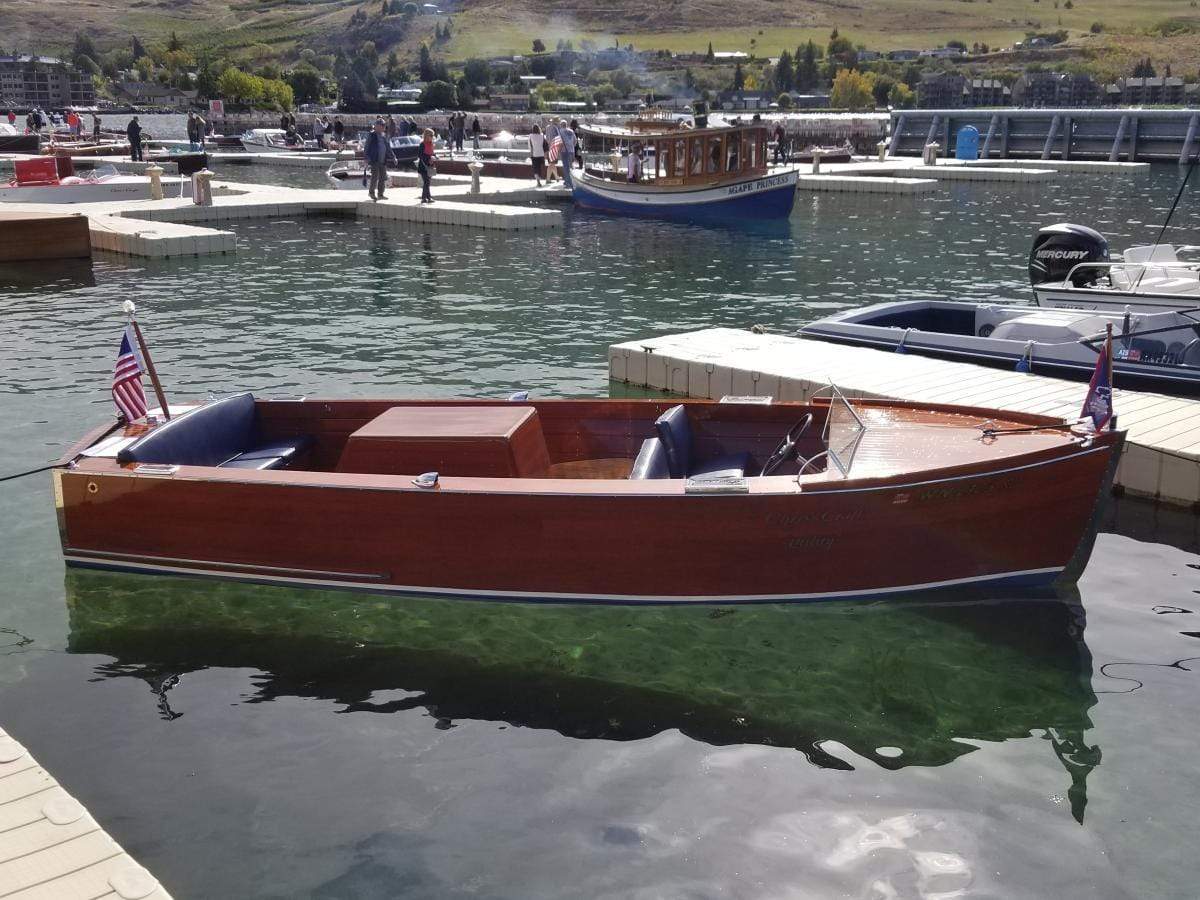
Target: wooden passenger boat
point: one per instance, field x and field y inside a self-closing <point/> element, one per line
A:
<point x="590" y="500"/>
<point x="682" y="173"/>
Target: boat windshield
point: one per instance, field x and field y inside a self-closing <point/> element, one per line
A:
<point x="102" y="173"/>
<point x="843" y="432"/>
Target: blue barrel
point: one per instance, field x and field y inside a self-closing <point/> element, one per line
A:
<point x="967" y="144"/>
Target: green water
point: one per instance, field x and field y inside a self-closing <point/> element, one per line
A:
<point x="248" y="741"/>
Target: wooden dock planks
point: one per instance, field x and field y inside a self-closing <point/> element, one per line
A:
<point x="51" y="848"/>
<point x="1162" y="459"/>
<point x="28" y="236"/>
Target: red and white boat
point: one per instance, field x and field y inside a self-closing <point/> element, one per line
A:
<point x="50" y="179"/>
<point x="626" y="501"/>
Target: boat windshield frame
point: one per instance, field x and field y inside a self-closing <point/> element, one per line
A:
<point x="843" y="457"/>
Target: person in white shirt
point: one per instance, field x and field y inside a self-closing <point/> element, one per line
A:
<point x="537" y="154"/>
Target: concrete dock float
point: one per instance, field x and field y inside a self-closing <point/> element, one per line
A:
<point x="863" y="184"/>
<point x="1162" y="456"/>
<point x="175" y="226"/>
<point x="50" y="846"/>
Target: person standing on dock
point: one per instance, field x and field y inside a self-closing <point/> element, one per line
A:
<point x="425" y="163"/>
<point x="476" y="129"/>
<point x="780" y="143"/>
<point x="95" y="128"/>
<point x="339" y="130"/>
<point x="537" y="153"/>
<point x="391" y="127"/>
<point x="569" y="144"/>
<point x="134" y="132"/>
<point x="12" y="118"/>
<point x="376" y="149"/>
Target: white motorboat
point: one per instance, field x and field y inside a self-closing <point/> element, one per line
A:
<point x="1151" y="350"/>
<point x="274" y="140"/>
<point x="98" y="185"/>
<point x="1070" y="266"/>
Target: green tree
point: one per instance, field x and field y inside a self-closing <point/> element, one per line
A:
<point x="784" y="100"/>
<point x="138" y="50"/>
<point x="477" y="72"/>
<point x="785" y="74"/>
<point x="807" y="72"/>
<point x="305" y="82"/>
<point x="425" y="64"/>
<point x="83" y="47"/>
<point x="710" y="56"/>
<point x="439" y="95"/>
<point x="882" y="89"/>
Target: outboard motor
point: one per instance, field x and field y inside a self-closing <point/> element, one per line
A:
<point x="1059" y="248"/>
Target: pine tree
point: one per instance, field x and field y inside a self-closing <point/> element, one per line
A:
<point x="138" y="50"/>
<point x="739" y="78"/>
<point x="785" y="75"/>
<point x="710" y="56"/>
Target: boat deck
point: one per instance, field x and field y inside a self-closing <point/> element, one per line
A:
<point x="1162" y="455"/>
<point x="50" y="846"/>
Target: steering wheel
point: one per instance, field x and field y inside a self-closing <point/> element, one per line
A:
<point x="787" y="447"/>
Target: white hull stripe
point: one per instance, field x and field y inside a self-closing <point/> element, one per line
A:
<point x="1036" y="575"/>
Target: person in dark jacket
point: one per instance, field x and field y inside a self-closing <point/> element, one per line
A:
<point x="476" y="131"/>
<point x="339" y="130"/>
<point x="425" y="161"/>
<point x="780" y="143"/>
<point x="376" y="149"/>
<point x="134" y="132"/>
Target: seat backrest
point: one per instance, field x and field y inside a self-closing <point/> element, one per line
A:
<point x="1159" y="253"/>
<point x="676" y="434"/>
<point x="206" y="436"/>
<point x="651" y="461"/>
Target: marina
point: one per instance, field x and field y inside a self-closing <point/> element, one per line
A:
<point x="51" y="847"/>
<point x="354" y="725"/>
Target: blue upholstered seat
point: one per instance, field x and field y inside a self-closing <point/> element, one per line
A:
<point x="675" y="434"/>
<point x="220" y="433"/>
<point x="651" y="461"/>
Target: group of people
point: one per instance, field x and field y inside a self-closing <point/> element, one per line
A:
<point x="551" y="145"/>
<point x="329" y="134"/>
<point x="456" y="131"/>
<point x="377" y="150"/>
<point x="196" y="127"/>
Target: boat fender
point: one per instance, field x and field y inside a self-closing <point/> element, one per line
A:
<point x="426" y="480"/>
<point x="986" y="329"/>
<point x="518" y="397"/>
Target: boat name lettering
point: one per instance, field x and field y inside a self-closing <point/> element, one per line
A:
<point x="972" y="488"/>
<point x="763" y="184"/>
<point x="787" y="520"/>
<point x="811" y="542"/>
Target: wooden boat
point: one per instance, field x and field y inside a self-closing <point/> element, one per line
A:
<point x="1154" y="351"/>
<point x="625" y="501"/>
<point x="673" y="171"/>
<point x="42" y="180"/>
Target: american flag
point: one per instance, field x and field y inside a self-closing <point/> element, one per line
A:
<point x="127" y="381"/>
<point x="556" y="147"/>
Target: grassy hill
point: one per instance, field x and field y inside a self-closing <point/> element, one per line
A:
<point x="490" y="27"/>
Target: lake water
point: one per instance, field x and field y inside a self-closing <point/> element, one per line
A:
<point x="258" y="742"/>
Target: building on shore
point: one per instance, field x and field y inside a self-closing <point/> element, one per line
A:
<point x="1161" y="91"/>
<point x="45" y="81"/>
<point x="151" y="93"/>
<point x="1057" y="90"/>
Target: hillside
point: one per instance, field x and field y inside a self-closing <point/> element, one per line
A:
<point x="490" y="27"/>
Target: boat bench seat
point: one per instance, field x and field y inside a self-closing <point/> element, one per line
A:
<point x="221" y="433"/>
<point x="669" y="455"/>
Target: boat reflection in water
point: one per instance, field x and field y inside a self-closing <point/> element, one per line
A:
<point x="897" y="682"/>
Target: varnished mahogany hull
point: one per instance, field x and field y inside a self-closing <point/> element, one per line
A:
<point x="1026" y="521"/>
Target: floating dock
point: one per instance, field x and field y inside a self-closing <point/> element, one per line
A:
<point x="28" y="236"/>
<point x="51" y="848"/>
<point x="1162" y="456"/>
<point x="175" y="226"/>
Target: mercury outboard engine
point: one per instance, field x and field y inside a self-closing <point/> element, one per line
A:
<point x="1059" y="248"/>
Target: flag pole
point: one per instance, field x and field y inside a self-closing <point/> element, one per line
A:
<point x="1108" y="356"/>
<point x="131" y="309"/>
